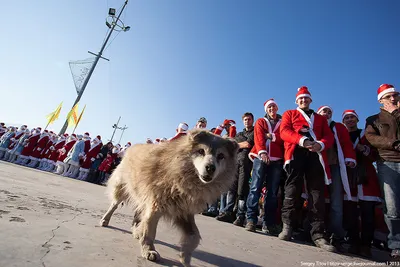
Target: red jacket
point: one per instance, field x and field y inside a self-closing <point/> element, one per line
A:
<point x="46" y="152"/>
<point x="40" y="146"/>
<point x="63" y="152"/>
<point x="31" y="143"/>
<point x="232" y="128"/>
<point x="274" y="147"/>
<point x="105" y="165"/>
<point x="91" y="156"/>
<point x="54" y="152"/>
<point x="371" y="190"/>
<point x="293" y="122"/>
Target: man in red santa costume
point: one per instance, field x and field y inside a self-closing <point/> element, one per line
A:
<point x="128" y="145"/>
<point x="366" y="191"/>
<point x="63" y="152"/>
<point x="54" y="153"/>
<point x="229" y="126"/>
<point x="40" y="146"/>
<point x="89" y="157"/>
<point x="14" y="142"/>
<point x="44" y="155"/>
<point x="180" y="131"/>
<point x="29" y="147"/>
<point x="340" y="156"/>
<point x="267" y="156"/>
<point x="306" y="137"/>
<point x="76" y="155"/>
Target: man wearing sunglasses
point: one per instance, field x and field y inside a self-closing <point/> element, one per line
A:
<point x="382" y="131"/>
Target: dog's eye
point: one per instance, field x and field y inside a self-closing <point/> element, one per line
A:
<point x="201" y="152"/>
<point x="220" y="156"/>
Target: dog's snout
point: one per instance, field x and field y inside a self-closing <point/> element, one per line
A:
<point x="210" y="168"/>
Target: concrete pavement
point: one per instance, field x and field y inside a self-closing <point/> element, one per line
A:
<point x="48" y="220"/>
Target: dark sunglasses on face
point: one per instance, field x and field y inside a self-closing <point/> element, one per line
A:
<point x="395" y="95"/>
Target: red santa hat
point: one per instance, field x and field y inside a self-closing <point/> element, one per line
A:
<point x="303" y="92"/>
<point x="39" y="129"/>
<point x="269" y="102"/>
<point x="349" y="112"/>
<point x="128" y="144"/>
<point x="322" y="108"/>
<point x="74" y="136"/>
<point x="157" y="140"/>
<point x="86" y="135"/>
<point x="184" y="126"/>
<point x="65" y="135"/>
<point x="384" y="89"/>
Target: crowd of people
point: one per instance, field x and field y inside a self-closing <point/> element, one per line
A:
<point x="298" y="170"/>
<point x="76" y="156"/>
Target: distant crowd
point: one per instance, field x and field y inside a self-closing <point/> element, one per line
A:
<point x="299" y="172"/>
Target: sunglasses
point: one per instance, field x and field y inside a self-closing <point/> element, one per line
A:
<point x="396" y="95"/>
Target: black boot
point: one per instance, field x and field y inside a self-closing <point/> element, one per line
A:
<point x="286" y="233"/>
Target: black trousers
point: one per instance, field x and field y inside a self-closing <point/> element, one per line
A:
<point x="240" y="187"/>
<point x="351" y="221"/>
<point x="305" y="167"/>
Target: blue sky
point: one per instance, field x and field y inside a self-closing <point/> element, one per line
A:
<point x="185" y="59"/>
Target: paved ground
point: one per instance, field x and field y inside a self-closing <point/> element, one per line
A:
<point x="47" y="220"/>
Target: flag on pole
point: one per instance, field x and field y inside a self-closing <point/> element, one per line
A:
<point x="72" y="116"/>
<point x="52" y="117"/>
<point x="79" y="119"/>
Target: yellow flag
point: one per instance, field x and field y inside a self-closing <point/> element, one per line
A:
<point x="80" y="116"/>
<point x="73" y="116"/>
<point x="52" y="117"/>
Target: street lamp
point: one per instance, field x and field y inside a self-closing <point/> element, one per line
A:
<point x="114" y="24"/>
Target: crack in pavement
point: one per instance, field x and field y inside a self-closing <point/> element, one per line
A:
<point x="55" y="229"/>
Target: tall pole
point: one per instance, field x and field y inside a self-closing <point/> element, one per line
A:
<point x="98" y="56"/>
<point x="115" y="126"/>
<point x="123" y="130"/>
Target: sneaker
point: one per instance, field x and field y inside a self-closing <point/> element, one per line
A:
<point x="286" y="233"/>
<point x="210" y="213"/>
<point x="225" y="217"/>
<point x="250" y="226"/>
<point x="323" y="244"/>
<point x="239" y="221"/>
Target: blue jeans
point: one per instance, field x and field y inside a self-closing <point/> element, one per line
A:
<point x="336" y="201"/>
<point x="272" y="174"/>
<point x="223" y="202"/>
<point x="389" y="179"/>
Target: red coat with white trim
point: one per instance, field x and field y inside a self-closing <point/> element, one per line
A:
<point x="178" y="135"/>
<point x="46" y="151"/>
<point x="15" y="139"/>
<point x="63" y="152"/>
<point x="40" y="146"/>
<point x="55" y="151"/>
<point x="274" y="147"/>
<point x="345" y="154"/>
<point x="371" y="190"/>
<point x="232" y="128"/>
<point x="293" y="122"/>
<point x="30" y="145"/>
<point x="91" y="156"/>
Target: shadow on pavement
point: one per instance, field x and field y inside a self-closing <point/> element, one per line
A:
<point x="212" y="258"/>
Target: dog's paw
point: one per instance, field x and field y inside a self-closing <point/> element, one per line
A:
<point x="104" y="223"/>
<point x="151" y="255"/>
<point x="185" y="259"/>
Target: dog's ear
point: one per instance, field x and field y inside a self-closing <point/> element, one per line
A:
<point x="232" y="146"/>
<point x="197" y="135"/>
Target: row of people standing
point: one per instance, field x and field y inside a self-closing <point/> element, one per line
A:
<point x="323" y="161"/>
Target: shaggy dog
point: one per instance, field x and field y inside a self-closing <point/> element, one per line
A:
<point x="173" y="180"/>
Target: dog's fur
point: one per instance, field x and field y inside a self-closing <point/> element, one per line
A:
<point x="174" y="180"/>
